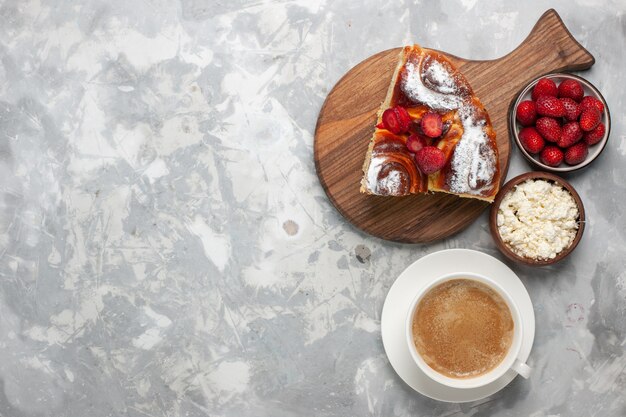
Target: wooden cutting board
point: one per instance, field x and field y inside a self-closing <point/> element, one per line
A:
<point x="346" y="123"/>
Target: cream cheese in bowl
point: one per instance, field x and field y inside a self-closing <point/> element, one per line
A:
<point x="538" y="219"/>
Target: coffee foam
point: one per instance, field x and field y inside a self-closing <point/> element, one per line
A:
<point x="462" y="328"/>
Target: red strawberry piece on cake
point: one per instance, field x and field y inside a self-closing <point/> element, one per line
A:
<point x="416" y="142"/>
<point x="432" y="125"/>
<point x="526" y="113"/>
<point x="575" y="154"/>
<point x="552" y="156"/>
<point x="588" y="102"/>
<point x="531" y="140"/>
<point x="570" y="134"/>
<point x="544" y="87"/>
<point x="396" y="120"/>
<point x="549" y="128"/>
<point x="550" y="106"/>
<point x="430" y="159"/>
<point x="403" y="116"/>
<point x="596" y="135"/>
<point x="589" y="119"/>
<point x="391" y="122"/>
<point x="571" y="89"/>
<point x="572" y="109"/>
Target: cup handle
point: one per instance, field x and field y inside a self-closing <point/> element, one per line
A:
<point x="521" y="368"/>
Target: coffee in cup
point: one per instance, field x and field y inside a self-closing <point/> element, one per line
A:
<point x="462" y="328"/>
<point x="465" y="331"/>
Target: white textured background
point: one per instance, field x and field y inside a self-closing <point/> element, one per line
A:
<point x="167" y="250"/>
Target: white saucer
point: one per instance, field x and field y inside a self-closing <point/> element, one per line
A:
<point x="419" y="274"/>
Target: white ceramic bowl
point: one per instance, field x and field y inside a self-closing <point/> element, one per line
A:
<point x="594" y="150"/>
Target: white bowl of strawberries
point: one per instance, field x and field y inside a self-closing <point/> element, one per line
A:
<point x="560" y="122"/>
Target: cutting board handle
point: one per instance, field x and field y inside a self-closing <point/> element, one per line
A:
<point x="549" y="47"/>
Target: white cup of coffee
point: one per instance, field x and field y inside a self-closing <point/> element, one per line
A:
<point x="465" y="331"/>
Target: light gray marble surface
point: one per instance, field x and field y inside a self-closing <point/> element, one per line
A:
<point x="167" y="250"/>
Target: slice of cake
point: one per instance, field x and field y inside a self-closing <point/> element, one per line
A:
<point x="432" y="134"/>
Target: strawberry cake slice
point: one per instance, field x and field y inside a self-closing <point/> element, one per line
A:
<point x="432" y="134"/>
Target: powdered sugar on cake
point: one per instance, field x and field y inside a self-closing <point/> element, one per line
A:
<point x="473" y="163"/>
<point x="437" y="72"/>
<point x="391" y="183"/>
<point x="413" y="87"/>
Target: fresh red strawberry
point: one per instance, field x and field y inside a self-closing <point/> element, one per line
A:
<point x="544" y="87"/>
<point x="531" y="140"/>
<point x="571" y="89"/>
<point x="432" y="125"/>
<point x="430" y="159"/>
<point x="572" y="109"/>
<point x="552" y="156"/>
<point x="403" y="116"/>
<point x="390" y="121"/>
<point x="589" y="101"/>
<point x="396" y="120"/>
<point x="576" y="154"/>
<point x="550" y="106"/>
<point x="549" y="128"/>
<point x="570" y="134"/>
<point x="526" y="113"/>
<point x="589" y="119"/>
<point x="596" y="135"/>
<point x="416" y="142"/>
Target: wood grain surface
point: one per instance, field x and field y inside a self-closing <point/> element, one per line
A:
<point x="346" y="124"/>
